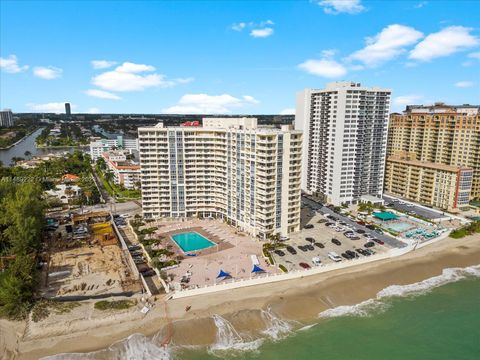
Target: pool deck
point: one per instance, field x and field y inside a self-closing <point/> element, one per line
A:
<point x="233" y="253"/>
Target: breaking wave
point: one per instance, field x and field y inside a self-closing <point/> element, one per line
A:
<point x="378" y="304"/>
<point x="135" y="347"/>
<point x="276" y="327"/>
<point x="229" y="340"/>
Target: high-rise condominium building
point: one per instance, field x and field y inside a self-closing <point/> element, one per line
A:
<point x="345" y="132"/>
<point x="6" y="118"/>
<point x="229" y="168"/>
<point x="441" y="134"/>
<point x="446" y="187"/>
<point x="68" y="111"/>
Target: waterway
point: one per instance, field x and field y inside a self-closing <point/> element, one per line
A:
<point x="28" y="144"/>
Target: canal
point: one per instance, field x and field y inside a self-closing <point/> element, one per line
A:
<point x="28" y="144"/>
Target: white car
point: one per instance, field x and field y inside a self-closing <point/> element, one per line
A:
<point x="334" y="256"/>
<point x="316" y="261"/>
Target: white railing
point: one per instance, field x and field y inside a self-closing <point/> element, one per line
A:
<point x="296" y="274"/>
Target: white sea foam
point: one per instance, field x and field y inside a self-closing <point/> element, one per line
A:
<point x="306" y="327"/>
<point x="135" y="347"/>
<point x="276" y="327"/>
<point x="229" y="340"/>
<point x="378" y="304"/>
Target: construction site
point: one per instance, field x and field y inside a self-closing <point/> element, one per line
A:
<point x="84" y="259"/>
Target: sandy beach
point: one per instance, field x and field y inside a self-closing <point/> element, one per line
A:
<point x="300" y="300"/>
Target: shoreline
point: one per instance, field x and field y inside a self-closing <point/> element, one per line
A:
<point x="298" y="300"/>
<point x="19" y="141"/>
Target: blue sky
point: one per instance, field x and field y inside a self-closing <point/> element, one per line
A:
<point x="234" y="57"/>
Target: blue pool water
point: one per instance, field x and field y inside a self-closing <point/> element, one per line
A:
<point x="192" y="241"/>
<point x="399" y="227"/>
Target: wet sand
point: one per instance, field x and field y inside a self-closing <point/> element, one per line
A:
<point x="298" y="300"/>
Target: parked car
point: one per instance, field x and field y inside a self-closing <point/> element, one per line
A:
<point x="134" y="247"/>
<point x="378" y="241"/>
<point x="279" y="252"/>
<point x="303" y="248"/>
<point x="308" y="226"/>
<point x="369" y="244"/>
<point x="334" y="256"/>
<point x="353" y="254"/>
<point x="378" y="231"/>
<point x="346" y="256"/>
<point x="316" y="261"/>
<point x="148" y="273"/>
<point x="291" y="250"/>
<point x="360" y="231"/>
<point x="304" y="265"/>
<point x="361" y="222"/>
<point x="336" y="242"/>
<point x="310" y="247"/>
<point x="370" y="226"/>
<point x="319" y="245"/>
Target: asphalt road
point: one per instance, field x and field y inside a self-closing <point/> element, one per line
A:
<point x="429" y="214"/>
<point x="386" y="238"/>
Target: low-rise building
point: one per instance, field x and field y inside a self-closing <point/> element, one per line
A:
<point x="99" y="146"/>
<point x="443" y="186"/>
<point x="125" y="172"/>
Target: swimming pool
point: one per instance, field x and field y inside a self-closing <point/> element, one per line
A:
<point x="399" y="227"/>
<point x="192" y="241"/>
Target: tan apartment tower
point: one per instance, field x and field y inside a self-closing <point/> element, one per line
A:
<point x="229" y="168"/>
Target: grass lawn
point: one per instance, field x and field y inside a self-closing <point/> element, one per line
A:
<point x="117" y="192"/>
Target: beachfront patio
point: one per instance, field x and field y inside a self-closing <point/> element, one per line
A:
<point x="235" y="253"/>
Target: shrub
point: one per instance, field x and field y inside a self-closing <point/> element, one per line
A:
<point x="113" y="305"/>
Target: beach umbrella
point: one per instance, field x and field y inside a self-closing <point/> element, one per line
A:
<point x="257" y="269"/>
<point x="223" y="274"/>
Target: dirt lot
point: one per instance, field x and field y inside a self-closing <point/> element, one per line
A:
<point x="87" y="271"/>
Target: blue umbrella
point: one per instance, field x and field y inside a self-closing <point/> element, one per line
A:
<point x="257" y="269"/>
<point x="223" y="274"/>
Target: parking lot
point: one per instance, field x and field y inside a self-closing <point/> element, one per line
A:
<point x="402" y="205"/>
<point x="321" y="244"/>
<point x="389" y="240"/>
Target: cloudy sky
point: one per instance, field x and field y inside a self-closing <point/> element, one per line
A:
<point x="232" y="57"/>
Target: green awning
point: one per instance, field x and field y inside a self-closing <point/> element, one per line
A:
<point x="385" y="215"/>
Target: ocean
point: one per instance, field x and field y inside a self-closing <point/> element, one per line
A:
<point x="438" y="318"/>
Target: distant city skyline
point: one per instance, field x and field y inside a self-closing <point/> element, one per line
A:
<point x="232" y="57"/>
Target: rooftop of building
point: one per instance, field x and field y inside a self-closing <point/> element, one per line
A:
<point x="426" y="164"/>
<point x="442" y="108"/>
<point x="351" y="85"/>
<point x="221" y="123"/>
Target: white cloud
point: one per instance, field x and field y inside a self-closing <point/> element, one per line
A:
<point x="238" y="26"/>
<point x="288" y="111"/>
<point x="209" y="104"/>
<point x="129" y="77"/>
<point x="261" y="33"/>
<point x="474" y="55"/>
<point x="447" y="41"/>
<point x="387" y="44"/>
<point x="341" y="6"/>
<point x="53" y="107"/>
<point x="325" y="67"/>
<point x="184" y="80"/>
<point x="400" y="102"/>
<point x="93" y="110"/>
<point x="420" y="5"/>
<point x="102" y="64"/>
<point x="10" y="65"/>
<point x="102" y="94"/>
<point x="464" y="84"/>
<point x="47" y="72"/>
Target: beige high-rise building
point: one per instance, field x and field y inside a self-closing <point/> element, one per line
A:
<point x="228" y="168"/>
<point x="443" y="186"/>
<point x="440" y="135"/>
